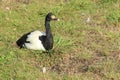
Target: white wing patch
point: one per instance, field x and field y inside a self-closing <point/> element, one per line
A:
<point x="35" y="43"/>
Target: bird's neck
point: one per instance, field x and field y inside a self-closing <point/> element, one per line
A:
<point x="48" y="29"/>
<point x="49" y="38"/>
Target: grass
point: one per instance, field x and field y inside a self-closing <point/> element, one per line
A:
<point x="83" y="49"/>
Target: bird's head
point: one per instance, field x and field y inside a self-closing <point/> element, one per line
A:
<point x="50" y="16"/>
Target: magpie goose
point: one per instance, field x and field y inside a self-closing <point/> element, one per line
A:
<point x="38" y="40"/>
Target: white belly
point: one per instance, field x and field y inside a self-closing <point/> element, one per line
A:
<point x="34" y="40"/>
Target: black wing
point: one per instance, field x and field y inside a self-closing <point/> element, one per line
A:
<point x="20" y="42"/>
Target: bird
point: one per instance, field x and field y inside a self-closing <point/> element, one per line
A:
<point x="39" y="40"/>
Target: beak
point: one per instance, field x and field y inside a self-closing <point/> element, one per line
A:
<point x="56" y="19"/>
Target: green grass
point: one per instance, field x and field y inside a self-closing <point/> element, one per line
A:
<point x="82" y="50"/>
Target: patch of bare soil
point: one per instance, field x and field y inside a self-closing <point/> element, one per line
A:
<point x="73" y="65"/>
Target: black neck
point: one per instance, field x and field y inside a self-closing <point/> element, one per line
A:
<point x="48" y="29"/>
<point x="49" y="38"/>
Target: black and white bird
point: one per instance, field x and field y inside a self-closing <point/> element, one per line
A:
<point x="38" y="40"/>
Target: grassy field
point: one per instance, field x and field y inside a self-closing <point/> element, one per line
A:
<point x="86" y="40"/>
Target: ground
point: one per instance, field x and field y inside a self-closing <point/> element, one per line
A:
<point x="86" y="40"/>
